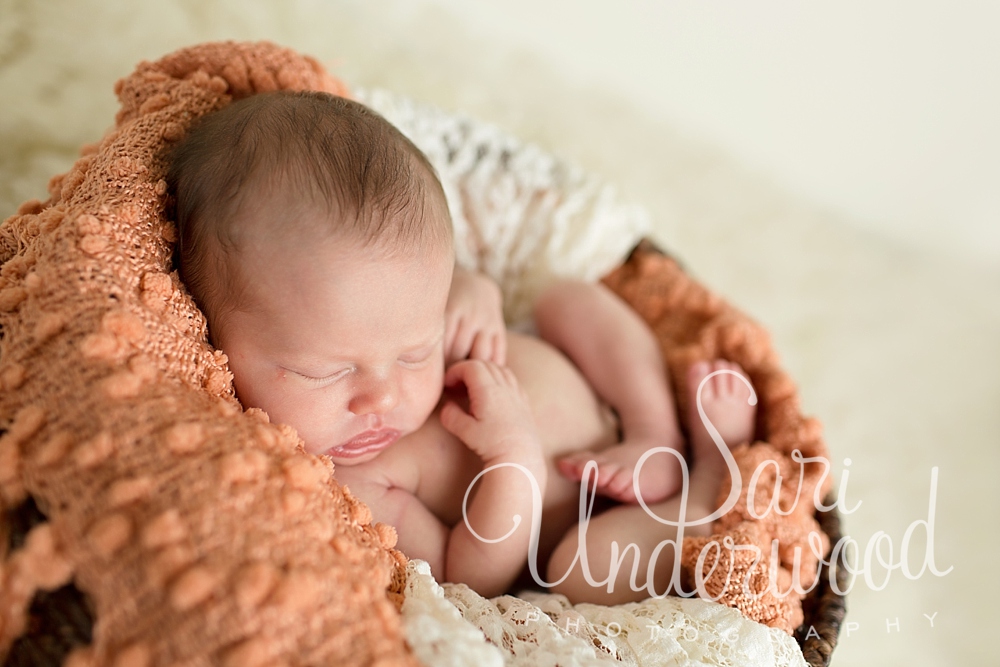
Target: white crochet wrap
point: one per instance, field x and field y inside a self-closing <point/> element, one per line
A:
<point x="450" y="625"/>
<point x="523" y="217"/>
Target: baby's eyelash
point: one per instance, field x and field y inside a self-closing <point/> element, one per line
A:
<point x="417" y="358"/>
<point x="323" y="380"/>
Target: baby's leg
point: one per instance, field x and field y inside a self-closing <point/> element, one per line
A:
<point x="725" y="401"/>
<point x="620" y="358"/>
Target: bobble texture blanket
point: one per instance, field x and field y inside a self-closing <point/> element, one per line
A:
<point x="201" y="533"/>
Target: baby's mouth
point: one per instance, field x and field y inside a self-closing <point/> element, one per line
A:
<point x="366" y="443"/>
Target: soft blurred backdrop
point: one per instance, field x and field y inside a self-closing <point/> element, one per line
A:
<point x="832" y="168"/>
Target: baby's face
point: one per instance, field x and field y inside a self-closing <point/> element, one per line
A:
<point x="341" y="343"/>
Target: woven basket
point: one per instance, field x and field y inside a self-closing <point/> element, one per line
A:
<point x="824" y="608"/>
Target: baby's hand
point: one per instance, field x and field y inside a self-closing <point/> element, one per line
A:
<point x="474" y="326"/>
<point x="499" y="424"/>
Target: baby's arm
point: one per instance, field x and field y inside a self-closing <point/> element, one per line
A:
<point x="619" y="355"/>
<point x="500" y="429"/>
<point x="474" y="326"/>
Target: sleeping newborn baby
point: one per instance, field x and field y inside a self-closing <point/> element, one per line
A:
<point x="317" y="241"/>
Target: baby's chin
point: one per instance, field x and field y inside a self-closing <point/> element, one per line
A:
<point x="350" y="462"/>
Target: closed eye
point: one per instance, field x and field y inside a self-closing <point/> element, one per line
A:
<point x="325" y="380"/>
<point x="417" y="359"/>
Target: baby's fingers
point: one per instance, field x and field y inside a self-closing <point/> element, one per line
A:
<point x="483" y="347"/>
<point x="490" y="347"/>
<point x="456" y="373"/>
<point x="474" y="373"/>
<point x="500" y="348"/>
<point x="462" y="341"/>
<point x="456" y="421"/>
<point x="490" y="387"/>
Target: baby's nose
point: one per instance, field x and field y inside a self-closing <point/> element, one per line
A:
<point x="376" y="395"/>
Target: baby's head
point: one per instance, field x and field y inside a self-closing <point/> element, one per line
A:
<point x="317" y="241"/>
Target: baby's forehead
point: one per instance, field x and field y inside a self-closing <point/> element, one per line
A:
<point x="327" y="286"/>
<point x="269" y="218"/>
<point x="311" y="250"/>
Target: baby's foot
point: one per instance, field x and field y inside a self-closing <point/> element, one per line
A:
<point x="659" y="478"/>
<point x="725" y="400"/>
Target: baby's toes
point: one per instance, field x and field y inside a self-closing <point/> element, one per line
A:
<point x="736" y="387"/>
<point x="571" y="467"/>
<point x="620" y="486"/>
<point x="696" y="373"/>
<point x="733" y="367"/>
<point x="715" y="383"/>
<point x="724" y="381"/>
<point x="606" y="472"/>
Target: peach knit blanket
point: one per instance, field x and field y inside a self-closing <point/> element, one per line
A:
<point x="202" y="533"/>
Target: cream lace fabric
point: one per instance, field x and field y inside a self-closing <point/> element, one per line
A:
<point x="451" y="625"/>
<point x="521" y="216"/>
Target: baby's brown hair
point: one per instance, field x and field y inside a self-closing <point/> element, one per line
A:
<point x="319" y="149"/>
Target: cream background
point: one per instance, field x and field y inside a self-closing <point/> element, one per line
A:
<point x="802" y="90"/>
<point x="894" y="344"/>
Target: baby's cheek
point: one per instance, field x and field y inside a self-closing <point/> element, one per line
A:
<point x="250" y="390"/>
<point x="318" y="419"/>
<point x="277" y="394"/>
<point x="429" y="386"/>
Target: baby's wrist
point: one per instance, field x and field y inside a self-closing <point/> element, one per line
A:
<point x="528" y="459"/>
<point x="526" y="452"/>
